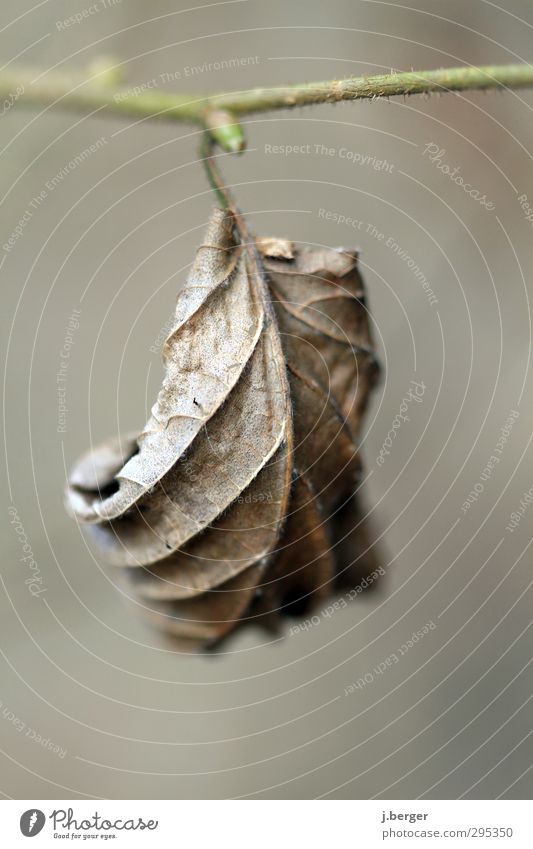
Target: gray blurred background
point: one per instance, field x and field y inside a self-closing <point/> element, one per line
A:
<point x="93" y="703"/>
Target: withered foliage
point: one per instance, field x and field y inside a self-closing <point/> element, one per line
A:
<point x="238" y="501"/>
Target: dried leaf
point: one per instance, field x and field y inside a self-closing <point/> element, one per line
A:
<point x="215" y="514"/>
<point x="246" y="534"/>
<point x="275" y="248"/>
<point x="304" y="567"/>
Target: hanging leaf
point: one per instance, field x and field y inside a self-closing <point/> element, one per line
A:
<point x="227" y="507"/>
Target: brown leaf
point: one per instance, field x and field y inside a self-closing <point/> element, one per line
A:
<point x="216" y="516"/>
<point x="207" y="618"/>
<point x="355" y="551"/>
<point x="324" y="323"/>
<point x="304" y="568"/>
<point x="228" y="453"/>
<point x="246" y="534"/>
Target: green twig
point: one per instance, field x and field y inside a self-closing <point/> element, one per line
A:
<point x="79" y="94"/>
<point x="100" y="88"/>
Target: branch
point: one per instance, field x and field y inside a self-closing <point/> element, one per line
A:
<point x="84" y="94"/>
<point x="380" y="85"/>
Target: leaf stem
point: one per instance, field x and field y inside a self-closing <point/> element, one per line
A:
<point x="212" y="171"/>
<point x="226" y="201"/>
